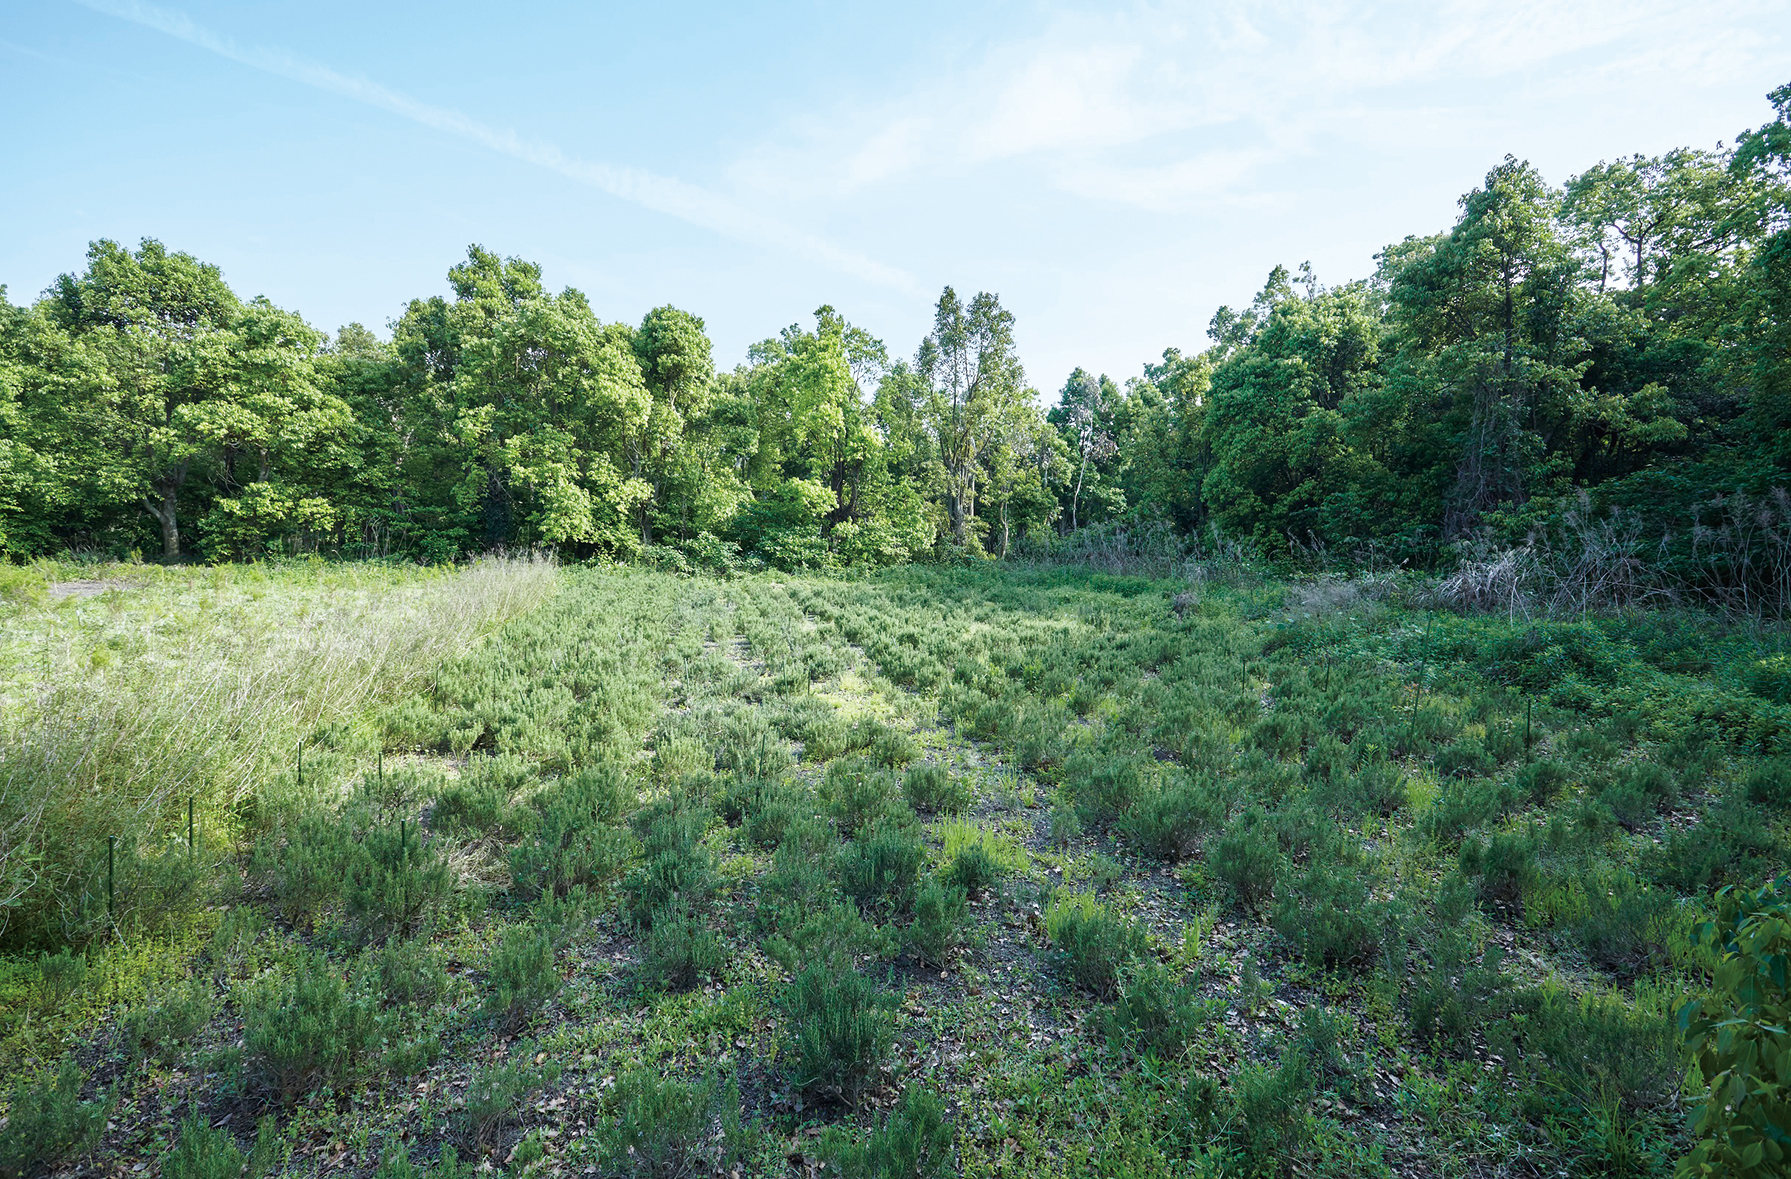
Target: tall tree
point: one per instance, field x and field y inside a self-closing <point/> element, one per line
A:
<point x="969" y="375"/>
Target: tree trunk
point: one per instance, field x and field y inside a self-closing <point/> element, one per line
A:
<point x="165" y="511"/>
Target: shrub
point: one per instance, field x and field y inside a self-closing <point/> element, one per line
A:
<point x="577" y="842"/>
<point x="409" y="973"/>
<point x="879" y="869"/>
<point x="778" y="812"/>
<point x="202" y="1152"/>
<point x="1279" y="734"/>
<point x="1268" y="1127"/>
<point x="678" y="867"/>
<point x="392" y="884"/>
<point x="913" y="1143"/>
<point x="1455" y="997"/>
<point x="940" y="914"/>
<point x="1464" y="759"/>
<point x="1066" y="825"/>
<point x="680" y="952"/>
<point x="1737" y="1036"/>
<point x="842" y="1028"/>
<point x="1103" y="786"/>
<point x="47" y="1123"/>
<point x="1155" y="1012"/>
<point x="1092" y="944"/>
<point x="1247" y="857"/>
<point x="856" y="794"/>
<point x="59" y="976"/>
<point x="1379" y="789"/>
<point x="165" y="1025"/>
<point x="495" y="1092"/>
<point x="1540" y="781"/>
<point x="521" y="977"/>
<point x="1169" y="823"/>
<point x="972" y="869"/>
<point x="665" y="1127"/>
<point x="1768" y="783"/>
<point x="1505" y="864"/>
<point x="1328" y="914"/>
<point x="931" y="789"/>
<point x="303" y="1028"/>
<point x="1730" y="843"/>
<point x="831" y="932"/>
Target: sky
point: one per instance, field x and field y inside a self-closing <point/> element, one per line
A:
<point x="1113" y="172"/>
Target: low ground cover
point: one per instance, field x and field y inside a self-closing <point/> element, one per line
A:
<point x="1000" y="872"/>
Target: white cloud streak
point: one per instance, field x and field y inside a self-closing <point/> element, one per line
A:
<point x="662" y="194"/>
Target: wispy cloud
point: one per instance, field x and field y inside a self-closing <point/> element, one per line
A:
<point x="1161" y="106"/>
<point x="663" y="194"/>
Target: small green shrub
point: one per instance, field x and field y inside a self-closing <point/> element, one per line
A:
<point x="1505" y="864"/>
<point x="496" y="1092"/>
<point x="931" y="789"/>
<point x="1464" y="759"/>
<point x="681" y="952"/>
<point x="1269" y="1123"/>
<point x="1170" y="823"/>
<point x="47" y="1123"/>
<point x="973" y="869"/>
<point x="59" y="977"/>
<point x="1155" y="1011"/>
<point x="577" y="842"/>
<point x="304" y="1028"/>
<point x="202" y="1152"/>
<point x="409" y="972"/>
<point x="393" y="883"/>
<point x="165" y="1025"/>
<point x="1093" y="944"/>
<point x="914" y="1142"/>
<point x="831" y="932"/>
<point x="1540" y="781"/>
<point x="1328" y="914"/>
<point x="1768" y="783"/>
<point x="940" y="915"/>
<point x="881" y="867"/>
<point x="395" y="1163"/>
<point x="665" y="1127"/>
<point x="841" y="1026"/>
<point x="1066" y="825"/>
<point x="678" y="867"/>
<point x="522" y="977"/>
<point x="1247" y="858"/>
<point x="856" y="794"/>
<point x="1459" y="992"/>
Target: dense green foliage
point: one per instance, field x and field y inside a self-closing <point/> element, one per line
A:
<point x="1626" y="336"/>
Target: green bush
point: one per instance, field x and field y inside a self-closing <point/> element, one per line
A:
<point x="914" y="1142"/>
<point x="940" y="914"/>
<point x="880" y="868"/>
<point x="409" y="972"/>
<point x="496" y="1091"/>
<point x="665" y="1127"/>
<point x="1505" y="864"/>
<point x="59" y="977"/>
<point x="1540" y="781"/>
<point x="1093" y="945"/>
<point x="678" y="867"/>
<point x="304" y="1028"/>
<point x="1768" y="782"/>
<point x="1453" y="999"/>
<point x="857" y="794"/>
<point x="521" y="977"/>
<point x="204" y="1152"/>
<point x="1169" y="823"/>
<point x="1623" y="925"/>
<point x="681" y="952"/>
<point x="1739" y="1042"/>
<point x="164" y="1025"/>
<point x="1327" y="913"/>
<point x="47" y="1123"/>
<point x="1464" y="759"/>
<point x="1247" y="858"/>
<point x="1155" y="1011"/>
<point x="841" y="1028"/>
<point x="931" y="789"/>
<point x="393" y="883"/>
<point x="973" y="868"/>
<point x="1269" y="1124"/>
<point x="570" y="849"/>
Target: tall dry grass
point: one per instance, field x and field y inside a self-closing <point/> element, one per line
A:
<point x="202" y="691"/>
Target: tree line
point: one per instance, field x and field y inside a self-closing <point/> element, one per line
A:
<point x="1626" y="336"/>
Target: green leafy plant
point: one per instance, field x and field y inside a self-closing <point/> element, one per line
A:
<point x="303" y="1028"/>
<point x="931" y="789"/>
<point x="841" y="1028"/>
<point x="1740" y="1038"/>
<point x="1092" y="943"/>
<point x="914" y="1142"/>
<point x="521" y="977"/>
<point x="666" y="1128"/>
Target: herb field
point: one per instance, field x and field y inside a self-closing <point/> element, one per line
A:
<point x="1020" y="872"/>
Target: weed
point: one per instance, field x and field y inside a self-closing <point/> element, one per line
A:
<point x="1247" y="858"/>
<point x="164" y="1026"/>
<point x="1155" y="1011"/>
<point x="880" y="868"/>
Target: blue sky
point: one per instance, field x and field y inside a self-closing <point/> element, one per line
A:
<point x="1113" y="172"/>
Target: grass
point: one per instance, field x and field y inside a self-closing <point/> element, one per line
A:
<point x="993" y="872"/>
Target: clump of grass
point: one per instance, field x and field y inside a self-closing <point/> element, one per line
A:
<point x="932" y="789"/>
<point x="522" y="976"/>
